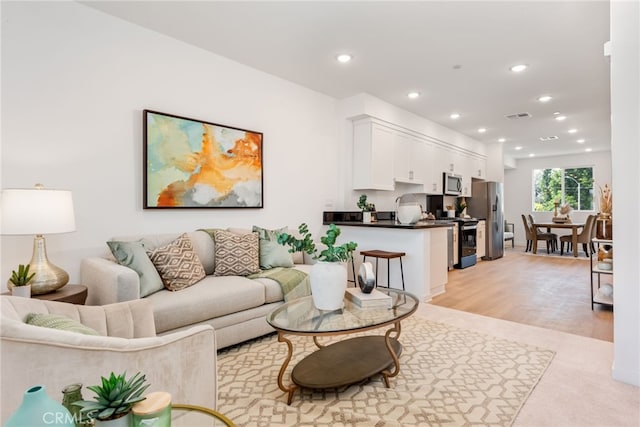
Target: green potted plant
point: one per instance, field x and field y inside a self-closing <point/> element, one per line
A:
<point x="19" y="281"/>
<point x="367" y="209"/>
<point x="114" y="399"/>
<point x="461" y="206"/>
<point x="329" y="275"/>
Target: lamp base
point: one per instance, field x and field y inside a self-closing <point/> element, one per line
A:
<point x="48" y="277"/>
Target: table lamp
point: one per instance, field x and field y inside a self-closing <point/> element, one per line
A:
<point x="38" y="211"/>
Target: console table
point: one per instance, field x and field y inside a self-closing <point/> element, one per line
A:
<point x="74" y="294"/>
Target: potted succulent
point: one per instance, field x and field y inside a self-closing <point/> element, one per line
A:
<point x="329" y="275"/>
<point x="368" y="209"/>
<point x="114" y="399"/>
<point x="19" y="281"/>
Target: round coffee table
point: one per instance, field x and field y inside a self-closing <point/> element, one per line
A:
<point x="183" y="415"/>
<point x="348" y="361"/>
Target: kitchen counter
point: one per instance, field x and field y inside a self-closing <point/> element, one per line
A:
<point x="424" y="243"/>
<point x="393" y="224"/>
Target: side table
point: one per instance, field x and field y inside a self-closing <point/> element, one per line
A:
<point x="75" y="294"/>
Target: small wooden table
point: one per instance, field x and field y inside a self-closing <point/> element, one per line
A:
<point x="548" y="225"/>
<point x="75" y="294"/>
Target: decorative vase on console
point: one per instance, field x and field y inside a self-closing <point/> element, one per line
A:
<point x="329" y="275"/>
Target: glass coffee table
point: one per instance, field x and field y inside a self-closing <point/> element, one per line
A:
<point x="348" y="361"/>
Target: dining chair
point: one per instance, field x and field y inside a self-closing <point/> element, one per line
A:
<point x="584" y="237"/>
<point x="509" y="232"/>
<point x="550" y="238"/>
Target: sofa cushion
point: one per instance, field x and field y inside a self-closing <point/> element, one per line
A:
<point x="236" y="254"/>
<point x="133" y="254"/>
<point x="272" y="253"/>
<point x="57" y="321"/>
<point x="177" y="263"/>
<point x="209" y="298"/>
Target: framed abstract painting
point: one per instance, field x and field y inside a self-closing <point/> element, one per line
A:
<point x="191" y="163"/>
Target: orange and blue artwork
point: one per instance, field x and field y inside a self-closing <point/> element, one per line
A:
<point x="194" y="164"/>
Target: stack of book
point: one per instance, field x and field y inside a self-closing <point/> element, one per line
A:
<point x="375" y="299"/>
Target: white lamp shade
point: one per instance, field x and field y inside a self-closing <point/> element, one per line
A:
<point x="36" y="211"/>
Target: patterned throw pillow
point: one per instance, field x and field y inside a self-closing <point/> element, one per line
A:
<point x="178" y="264"/>
<point x="56" y="321"/>
<point x="236" y="254"/>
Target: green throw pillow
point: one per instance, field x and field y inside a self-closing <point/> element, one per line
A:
<point x="134" y="255"/>
<point x="273" y="254"/>
<point x="56" y="321"/>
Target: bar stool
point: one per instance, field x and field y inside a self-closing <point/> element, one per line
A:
<point x="377" y="254"/>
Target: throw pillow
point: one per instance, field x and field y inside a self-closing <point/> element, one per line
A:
<point x="178" y="264"/>
<point x="56" y="321"/>
<point x="134" y="255"/>
<point x="272" y="253"/>
<point x="236" y="254"/>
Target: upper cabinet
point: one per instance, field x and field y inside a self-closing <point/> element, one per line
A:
<point x="384" y="154"/>
<point x="372" y="153"/>
<point x="409" y="160"/>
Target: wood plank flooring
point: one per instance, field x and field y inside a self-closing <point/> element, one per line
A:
<point x="549" y="292"/>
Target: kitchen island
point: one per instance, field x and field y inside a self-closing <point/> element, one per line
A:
<point x="425" y="244"/>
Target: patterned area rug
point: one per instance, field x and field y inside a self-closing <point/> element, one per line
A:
<point x="448" y="377"/>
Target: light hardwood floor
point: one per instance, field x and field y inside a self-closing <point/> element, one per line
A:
<point x="549" y="292"/>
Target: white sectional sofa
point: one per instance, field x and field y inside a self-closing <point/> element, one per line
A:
<point x="235" y="306"/>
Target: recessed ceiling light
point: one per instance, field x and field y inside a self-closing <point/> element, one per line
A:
<point x="555" y="113"/>
<point x="588" y="150"/>
<point x="518" y="148"/>
<point x="482" y="130"/>
<point x="560" y="118"/>
<point x="545" y="98"/>
<point x="502" y="139"/>
<point x="573" y="130"/>
<point x="518" y="68"/>
<point x="455" y="115"/>
<point x="531" y="155"/>
<point x="580" y="141"/>
<point x="413" y="95"/>
<point x="344" y="57"/>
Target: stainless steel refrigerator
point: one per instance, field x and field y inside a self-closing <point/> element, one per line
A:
<point x="486" y="202"/>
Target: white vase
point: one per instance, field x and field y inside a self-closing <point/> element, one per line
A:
<point x="328" y="284"/>
<point x="21" y="291"/>
<point x="366" y="217"/>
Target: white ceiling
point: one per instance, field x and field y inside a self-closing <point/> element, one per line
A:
<point x="400" y="47"/>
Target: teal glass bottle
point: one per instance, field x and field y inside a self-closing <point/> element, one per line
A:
<point x="39" y="410"/>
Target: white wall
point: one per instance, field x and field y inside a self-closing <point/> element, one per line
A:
<point x="518" y="187"/>
<point x="625" y="146"/>
<point x="74" y="84"/>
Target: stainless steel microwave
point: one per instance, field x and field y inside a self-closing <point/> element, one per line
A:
<point x="452" y="184"/>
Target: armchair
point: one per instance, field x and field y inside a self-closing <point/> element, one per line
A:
<point x="182" y="363"/>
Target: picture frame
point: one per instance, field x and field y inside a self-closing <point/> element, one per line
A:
<point x="195" y="164"/>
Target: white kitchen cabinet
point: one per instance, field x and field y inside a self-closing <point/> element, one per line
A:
<point x="372" y="156"/>
<point x="409" y="160"/>
<point x="433" y="179"/>
<point x="481" y="240"/>
<point x="480" y="168"/>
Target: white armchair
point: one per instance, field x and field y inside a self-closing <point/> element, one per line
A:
<point x="182" y="363"/>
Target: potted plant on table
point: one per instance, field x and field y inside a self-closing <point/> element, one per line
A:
<point x="368" y="209"/>
<point x="19" y="281"/>
<point x="114" y="399"/>
<point x="329" y="275"/>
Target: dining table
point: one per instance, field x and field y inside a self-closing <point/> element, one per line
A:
<point x="574" y="226"/>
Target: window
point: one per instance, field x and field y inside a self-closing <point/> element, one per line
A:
<point x="573" y="186"/>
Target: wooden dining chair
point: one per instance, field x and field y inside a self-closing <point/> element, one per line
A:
<point x="584" y="237"/>
<point x="550" y="238"/>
